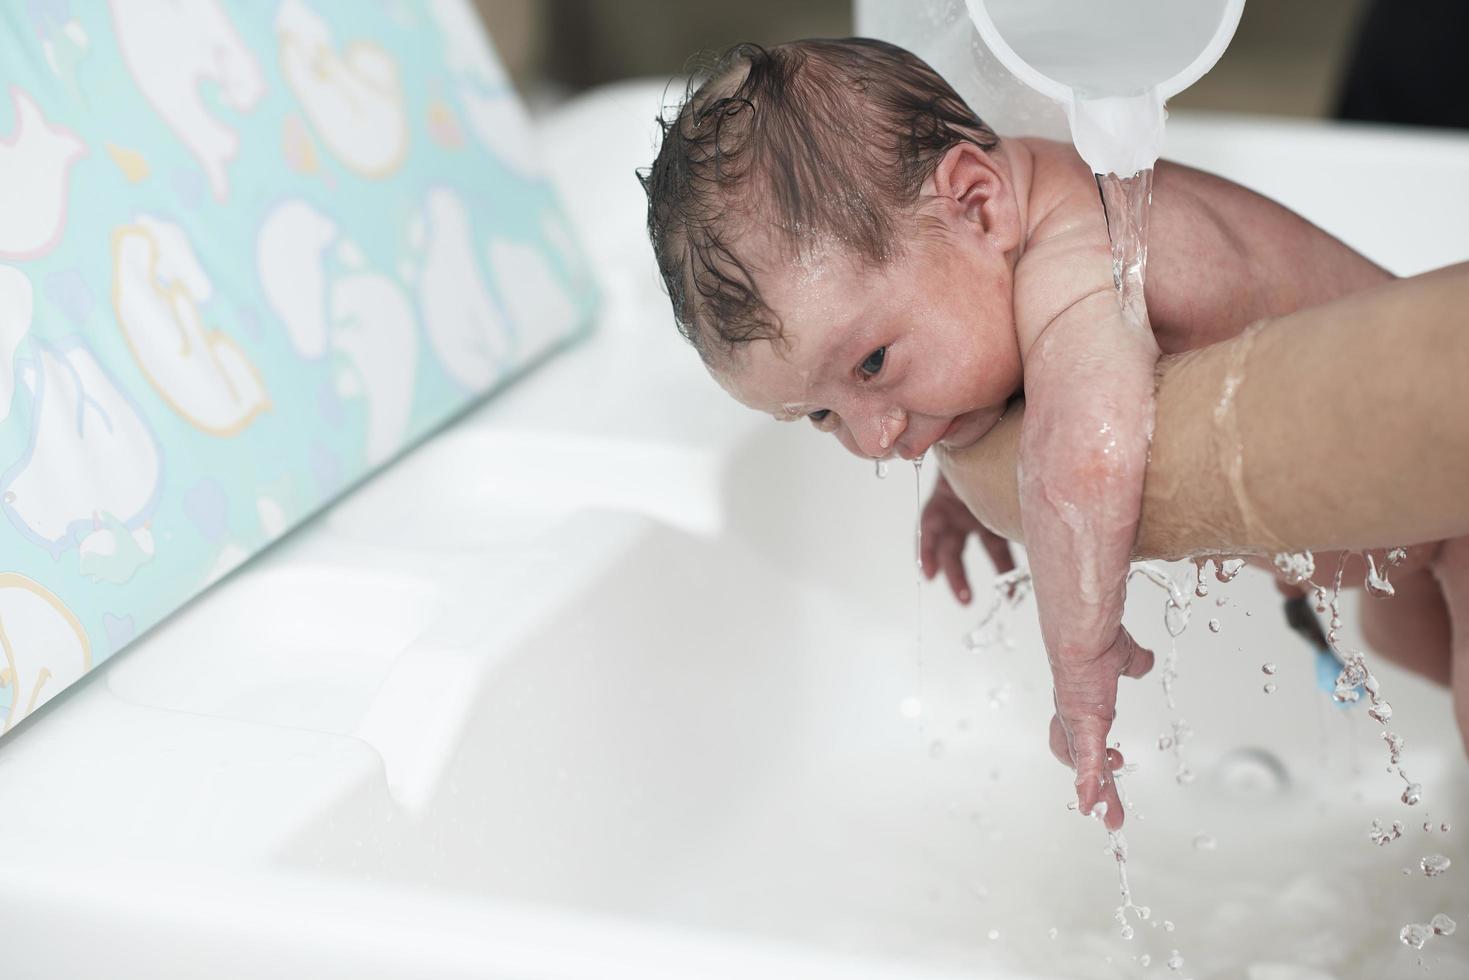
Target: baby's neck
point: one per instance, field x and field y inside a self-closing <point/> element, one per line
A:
<point x="1018" y="158"/>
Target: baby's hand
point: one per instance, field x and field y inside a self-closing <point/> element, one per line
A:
<point x="946" y="525"/>
<point x="1086" y="703"/>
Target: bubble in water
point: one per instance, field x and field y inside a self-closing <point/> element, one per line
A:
<point x="1270" y="688"/>
<point x="1175" y="961"/>
<point x="1434" y="865"/>
<point x="1415" y="934"/>
<point x="1413" y="793"/>
<point x="937" y="749"/>
<point x="1443" y="925"/>
<point x="1204" y="842"/>
<point x="1268" y="669"/>
<point x="1213" y="626"/>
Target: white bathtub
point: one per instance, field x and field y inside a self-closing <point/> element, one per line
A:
<point x="605" y="681"/>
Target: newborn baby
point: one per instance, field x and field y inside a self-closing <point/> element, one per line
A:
<point x="845" y="241"/>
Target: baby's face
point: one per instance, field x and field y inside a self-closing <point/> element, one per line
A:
<point x="893" y="359"/>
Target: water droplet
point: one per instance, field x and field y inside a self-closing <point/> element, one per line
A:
<point x="1269" y="687"/>
<point x="910" y="707"/>
<point x="937" y="749"/>
<point x="1413" y="793"/>
<point x="1168" y="926"/>
<point x="1203" y="842"/>
<point x="1175" y="961"/>
<point x="1268" y="669"/>
<point x="1226" y="570"/>
<point x="1377" y="584"/>
<point x="1444" y="827"/>
<point x="1127" y="932"/>
<point x="1380" y="712"/>
<point x="1145" y="960"/>
<point x="1415" y="934"/>
<point x="882" y="469"/>
<point x="1443" y="925"/>
<point x="993" y="934"/>
<point x="1434" y="865"/>
<point x="1053" y="932"/>
<point x="1213" y="626"/>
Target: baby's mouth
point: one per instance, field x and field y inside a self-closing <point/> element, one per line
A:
<point x="967" y="429"/>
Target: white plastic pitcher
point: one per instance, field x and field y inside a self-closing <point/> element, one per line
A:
<point x="1111" y="64"/>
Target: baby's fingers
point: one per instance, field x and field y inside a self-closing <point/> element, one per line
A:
<point x="951" y="559"/>
<point x="998" y="549"/>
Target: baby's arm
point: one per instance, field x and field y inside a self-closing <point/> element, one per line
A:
<point x="1083" y="454"/>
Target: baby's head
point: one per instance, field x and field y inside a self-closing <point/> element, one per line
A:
<point x="837" y="232"/>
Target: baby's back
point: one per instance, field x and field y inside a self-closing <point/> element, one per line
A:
<point x="1220" y="256"/>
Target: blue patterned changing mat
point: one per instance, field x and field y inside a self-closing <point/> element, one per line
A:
<point x="248" y="252"/>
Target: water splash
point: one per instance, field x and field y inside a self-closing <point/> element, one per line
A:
<point x="1382" y="837"/>
<point x="918" y="575"/>
<point x="1176" y="613"/>
<point x="1009" y="590"/>
<point x="1295" y="567"/>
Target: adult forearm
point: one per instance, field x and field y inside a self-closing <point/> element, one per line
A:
<point x="1342" y="426"/>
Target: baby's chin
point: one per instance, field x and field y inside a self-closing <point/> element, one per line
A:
<point x="969" y="428"/>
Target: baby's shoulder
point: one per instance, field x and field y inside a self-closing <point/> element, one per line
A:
<point x="1066" y="256"/>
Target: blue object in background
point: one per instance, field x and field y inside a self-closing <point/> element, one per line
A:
<point x="249" y="252"/>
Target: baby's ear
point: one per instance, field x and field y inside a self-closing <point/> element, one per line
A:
<point x="981" y="188"/>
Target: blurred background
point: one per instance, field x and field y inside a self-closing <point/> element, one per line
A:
<point x="1304" y="58"/>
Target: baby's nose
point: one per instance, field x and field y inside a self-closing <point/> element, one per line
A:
<point x="879" y="435"/>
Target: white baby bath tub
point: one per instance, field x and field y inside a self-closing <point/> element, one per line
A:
<point x="612" y="679"/>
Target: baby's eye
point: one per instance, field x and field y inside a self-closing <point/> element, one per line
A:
<point x="873" y="364"/>
<point x="819" y="415"/>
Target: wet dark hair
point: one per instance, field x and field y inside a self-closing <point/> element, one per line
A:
<point x="815" y="138"/>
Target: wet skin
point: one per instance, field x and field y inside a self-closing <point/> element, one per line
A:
<point x="1003" y="285"/>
